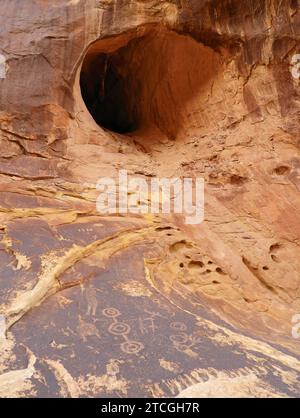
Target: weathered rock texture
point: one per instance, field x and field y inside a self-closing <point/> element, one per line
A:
<point x="140" y="305"/>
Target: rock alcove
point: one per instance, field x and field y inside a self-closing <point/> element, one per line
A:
<point x="134" y="82"/>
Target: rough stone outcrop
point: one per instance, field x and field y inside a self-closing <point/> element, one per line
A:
<point x="146" y="305"/>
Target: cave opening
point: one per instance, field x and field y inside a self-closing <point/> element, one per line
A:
<point x="106" y="93"/>
<point x="109" y="89"/>
<point x="134" y="82"/>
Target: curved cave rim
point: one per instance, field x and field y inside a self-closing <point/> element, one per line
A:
<point x="124" y="38"/>
<point x="138" y="122"/>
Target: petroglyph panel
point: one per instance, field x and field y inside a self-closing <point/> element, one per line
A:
<point x="173" y="347"/>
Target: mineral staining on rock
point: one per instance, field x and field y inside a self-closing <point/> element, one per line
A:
<point x="137" y="305"/>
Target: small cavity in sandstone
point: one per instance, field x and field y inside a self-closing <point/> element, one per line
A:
<point x="282" y="170"/>
<point x="196" y="265"/>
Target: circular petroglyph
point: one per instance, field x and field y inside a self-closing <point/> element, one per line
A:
<point x="183" y="347"/>
<point x="181" y="338"/>
<point x="178" y="326"/>
<point x="119" y="328"/>
<point x="111" y="312"/>
<point x="132" y="347"/>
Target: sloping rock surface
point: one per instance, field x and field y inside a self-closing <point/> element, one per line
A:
<point x="140" y="305"/>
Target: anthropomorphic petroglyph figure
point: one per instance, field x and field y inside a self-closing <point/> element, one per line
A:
<point x="91" y="298"/>
<point x="85" y="330"/>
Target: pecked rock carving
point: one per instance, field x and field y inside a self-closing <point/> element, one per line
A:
<point x="139" y="304"/>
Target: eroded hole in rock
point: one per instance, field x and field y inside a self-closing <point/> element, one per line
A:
<point x="155" y="80"/>
<point x="237" y="180"/>
<point x="106" y="93"/>
<point x="282" y="170"/>
<point x="196" y="265"/>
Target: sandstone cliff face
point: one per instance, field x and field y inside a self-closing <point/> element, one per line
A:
<point x="140" y="305"/>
